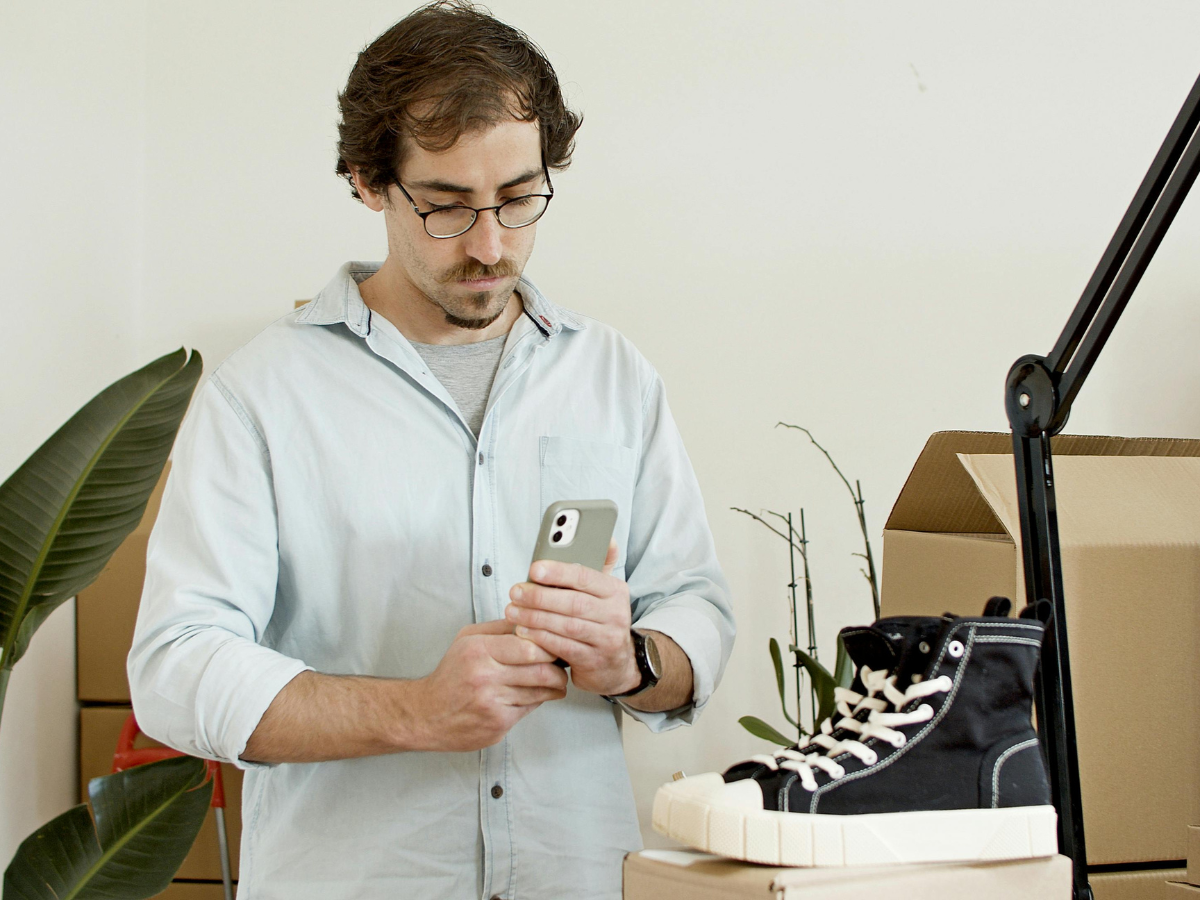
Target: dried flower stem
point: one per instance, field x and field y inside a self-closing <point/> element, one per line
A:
<point x="859" y="507"/>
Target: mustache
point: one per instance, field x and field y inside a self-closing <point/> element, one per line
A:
<point x="471" y="271"/>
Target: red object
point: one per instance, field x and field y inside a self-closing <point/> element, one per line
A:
<point x="126" y="757"/>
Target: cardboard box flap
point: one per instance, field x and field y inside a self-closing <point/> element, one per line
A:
<point x="1102" y="500"/>
<point x="146" y="525"/>
<point x="940" y="495"/>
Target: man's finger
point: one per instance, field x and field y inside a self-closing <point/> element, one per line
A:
<point x="543" y="675"/>
<point x="531" y="696"/>
<point x="561" y="601"/>
<point x="574" y="577"/>
<point x="564" y="648"/>
<point x="511" y="650"/>
<point x="611" y="559"/>
<point x="578" y="629"/>
<point x="496" y="626"/>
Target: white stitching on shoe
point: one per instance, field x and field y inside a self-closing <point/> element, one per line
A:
<point x="1005" y="639"/>
<point x="1001" y="760"/>
<point x="916" y="739"/>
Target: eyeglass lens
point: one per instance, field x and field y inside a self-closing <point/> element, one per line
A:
<point x="516" y="213"/>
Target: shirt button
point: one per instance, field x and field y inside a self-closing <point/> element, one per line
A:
<point x="481" y="459"/>
<point x="497" y="791"/>
<point x="487" y="570"/>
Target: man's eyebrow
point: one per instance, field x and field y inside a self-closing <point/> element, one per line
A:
<point x="446" y="187"/>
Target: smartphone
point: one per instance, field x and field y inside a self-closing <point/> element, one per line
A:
<point x="577" y="531"/>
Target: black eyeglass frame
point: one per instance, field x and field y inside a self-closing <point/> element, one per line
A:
<point x="475" y="218"/>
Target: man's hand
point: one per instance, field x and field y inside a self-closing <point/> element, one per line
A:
<point x="488" y="680"/>
<point x="582" y="616"/>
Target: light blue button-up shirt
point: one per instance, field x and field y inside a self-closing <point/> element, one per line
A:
<point x="328" y="508"/>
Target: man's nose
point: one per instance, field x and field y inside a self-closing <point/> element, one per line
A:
<point x="483" y="241"/>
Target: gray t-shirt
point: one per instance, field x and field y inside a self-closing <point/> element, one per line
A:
<point x="466" y="371"/>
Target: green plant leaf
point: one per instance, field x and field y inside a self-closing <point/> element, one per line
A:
<point x="68" y="507"/>
<point x="777" y="660"/>
<point x="823" y="684"/>
<point x="756" y="727"/>
<point x="843" y="669"/>
<point x="146" y="820"/>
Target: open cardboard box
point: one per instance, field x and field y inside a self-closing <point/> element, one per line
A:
<point x="1129" y="526"/>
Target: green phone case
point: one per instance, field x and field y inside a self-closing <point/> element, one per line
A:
<point x="597" y="518"/>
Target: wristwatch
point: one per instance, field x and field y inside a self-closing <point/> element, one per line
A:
<point x="645" y="654"/>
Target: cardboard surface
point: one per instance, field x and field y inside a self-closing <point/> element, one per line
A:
<point x="1177" y="890"/>
<point x="106" y="612"/>
<point x="685" y="875"/>
<point x="194" y="890"/>
<point x="1148" y="885"/>
<point x="1129" y="525"/>
<point x="99" y="728"/>
<point x="1193" y="854"/>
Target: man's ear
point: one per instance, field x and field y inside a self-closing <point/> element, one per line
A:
<point x="370" y="199"/>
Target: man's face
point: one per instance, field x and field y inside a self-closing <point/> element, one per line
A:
<point x="470" y="277"/>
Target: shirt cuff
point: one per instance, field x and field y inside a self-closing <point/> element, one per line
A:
<point x="239" y="683"/>
<point x="698" y="638"/>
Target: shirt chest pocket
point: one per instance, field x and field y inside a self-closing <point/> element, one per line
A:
<point x="573" y="469"/>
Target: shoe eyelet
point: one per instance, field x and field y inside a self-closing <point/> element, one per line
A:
<point x="955" y="649"/>
<point x="918" y="678"/>
<point x="923" y="647"/>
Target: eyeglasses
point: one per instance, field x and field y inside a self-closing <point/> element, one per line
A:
<point x="450" y="221"/>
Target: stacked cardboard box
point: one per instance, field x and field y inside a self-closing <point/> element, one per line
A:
<point x="105" y="616"/>
<point x="1129" y="524"/>
<point x="688" y="875"/>
<point x="1189" y="887"/>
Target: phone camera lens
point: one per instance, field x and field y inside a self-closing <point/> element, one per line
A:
<point x="557" y="537"/>
<point x="561" y="521"/>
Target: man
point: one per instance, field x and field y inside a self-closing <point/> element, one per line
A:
<point x="339" y="597"/>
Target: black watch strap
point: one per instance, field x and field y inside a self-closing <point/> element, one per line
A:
<point x="645" y="654"/>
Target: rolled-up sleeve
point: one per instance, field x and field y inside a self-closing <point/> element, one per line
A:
<point x="675" y="582"/>
<point x="199" y="677"/>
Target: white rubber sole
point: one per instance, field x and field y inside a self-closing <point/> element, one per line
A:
<point x="728" y="819"/>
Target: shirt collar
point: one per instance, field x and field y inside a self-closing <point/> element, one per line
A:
<point x="340" y="301"/>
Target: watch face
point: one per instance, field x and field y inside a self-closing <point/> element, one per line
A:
<point x="652" y="656"/>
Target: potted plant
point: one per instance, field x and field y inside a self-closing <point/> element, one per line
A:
<point x="63" y="513"/>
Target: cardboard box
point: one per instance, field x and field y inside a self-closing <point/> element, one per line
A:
<point x="1177" y="890"/>
<point x="1147" y="884"/>
<point x="689" y="875"/>
<point x="194" y="890"/>
<point x="1193" y="854"/>
<point x="106" y="612"/>
<point x="1129" y="527"/>
<point x="99" y="728"/>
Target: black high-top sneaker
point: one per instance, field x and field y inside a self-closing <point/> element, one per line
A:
<point x="933" y="758"/>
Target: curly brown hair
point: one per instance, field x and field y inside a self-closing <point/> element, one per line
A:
<point x="442" y="71"/>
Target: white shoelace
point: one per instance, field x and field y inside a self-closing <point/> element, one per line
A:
<point x="879" y="724"/>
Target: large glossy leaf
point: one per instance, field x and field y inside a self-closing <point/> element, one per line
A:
<point x="146" y="820"/>
<point x="68" y="507"/>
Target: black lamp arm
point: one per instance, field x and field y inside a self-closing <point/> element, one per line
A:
<point x="1038" y="398"/>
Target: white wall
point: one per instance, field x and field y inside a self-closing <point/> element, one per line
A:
<point x="848" y="216"/>
<point x="70" y="234"/>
